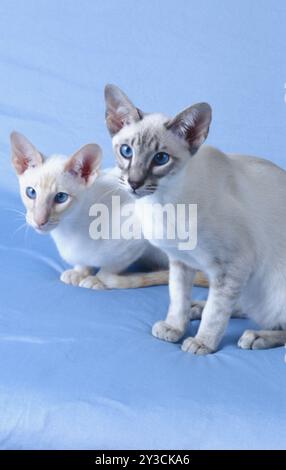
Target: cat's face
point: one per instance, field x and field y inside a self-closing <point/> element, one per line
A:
<point x="150" y="148"/>
<point x="50" y="187"/>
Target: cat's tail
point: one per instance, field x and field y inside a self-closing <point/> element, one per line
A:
<point x="201" y="280"/>
<point x="135" y="280"/>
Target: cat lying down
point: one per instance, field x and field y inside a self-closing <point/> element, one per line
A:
<point x="58" y="193"/>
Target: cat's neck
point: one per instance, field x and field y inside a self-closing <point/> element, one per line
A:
<point x="171" y="190"/>
<point x="186" y="185"/>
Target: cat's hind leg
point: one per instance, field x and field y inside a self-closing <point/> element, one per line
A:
<point x="76" y="275"/>
<point x="262" y="339"/>
<point x="132" y="280"/>
<point x="201" y="280"/>
<point x="197" y="307"/>
<point x="135" y="280"/>
<point x="107" y="280"/>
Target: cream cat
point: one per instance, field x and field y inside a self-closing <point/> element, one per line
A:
<point x="241" y="221"/>
<point x="58" y="193"/>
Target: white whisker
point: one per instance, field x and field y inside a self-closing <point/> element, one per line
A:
<point x="12" y="209"/>
<point x="19" y="228"/>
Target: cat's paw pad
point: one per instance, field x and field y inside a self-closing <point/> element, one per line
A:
<point x="252" y="339"/>
<point x="197" y="309"/>
<point x="72" y="276"/>
<point x="195" y="346"/>
<point x="92" y="282"/>
<point x="166" y="332"/>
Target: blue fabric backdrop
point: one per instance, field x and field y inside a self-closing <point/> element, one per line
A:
<point x="80" y="369"/>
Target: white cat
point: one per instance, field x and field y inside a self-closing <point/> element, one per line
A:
<point x="241" y="221"/>
<point x="58" y="193"/>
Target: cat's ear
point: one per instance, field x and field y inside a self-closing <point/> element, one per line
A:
<point x="192" y="125"/>
<point x="84" y="164"/>
<point x="24" y="154"/>
<point x="120" y="111"/>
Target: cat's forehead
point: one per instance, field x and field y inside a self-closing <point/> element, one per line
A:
<point x="54" y="163"/>
<point x="148" y="132"/>
<point x="47" y="173"/>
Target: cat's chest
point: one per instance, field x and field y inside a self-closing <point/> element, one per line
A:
<point x="67" y="244"/>
<point x="173" y="229"/>
<point x="73" y="246"/>
<point x="168" y="225"/>
<point x="77" y="247"/>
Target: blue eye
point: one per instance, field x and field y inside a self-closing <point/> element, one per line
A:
<point x="60" y="198"/>
<point x="31" y="192"/>
<point x="126" y="151"/>
<point x="161" y="158"/>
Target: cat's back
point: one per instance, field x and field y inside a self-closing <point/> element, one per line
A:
<point x="108" y="185"/>
<point x="236" y="162"/>
<point x="262" y="178"/>
<point x="257" y="166"/>
<point x="241" y="174"/>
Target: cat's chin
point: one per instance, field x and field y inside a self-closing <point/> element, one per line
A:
<point x="138" y="195"/>
<point x="135" y="195"/>
<point x="45" y="230"/>
<point x="42" y="232"/>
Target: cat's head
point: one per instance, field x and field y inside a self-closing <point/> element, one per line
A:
<point x="150" y="148"/>
<point x="50" y="187"/>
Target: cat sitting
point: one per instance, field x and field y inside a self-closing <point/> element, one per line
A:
<point x="241" y="220"/>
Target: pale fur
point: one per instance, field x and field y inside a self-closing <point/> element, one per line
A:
<point x="69" y="223"/>
<point x="241" y="225"/>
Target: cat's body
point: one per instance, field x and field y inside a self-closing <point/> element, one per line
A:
<point x="78" y="248"/>
<point x="241" y="221"/>
<point x="240" y="233"/>
<point x="58" y="193"/>
<point x="72" y="235"/>
<point x="69" y="222"/>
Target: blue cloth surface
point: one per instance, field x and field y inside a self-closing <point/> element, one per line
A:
<point x="79" y="368"/>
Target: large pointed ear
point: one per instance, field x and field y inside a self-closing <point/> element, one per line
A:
<point x="84" y="164"/>
<point x="24" y="154"/>
<point x="120" y="111"/>
<point x="192" y="125"/>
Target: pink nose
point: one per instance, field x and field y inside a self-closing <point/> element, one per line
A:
<point x="40" y="222"/>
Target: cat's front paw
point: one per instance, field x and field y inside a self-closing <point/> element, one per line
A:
<point x="73" y="276"/>
<point x="166" y="332"/>
<point x="195" y="346"/>
<point x="92" y="282"/>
